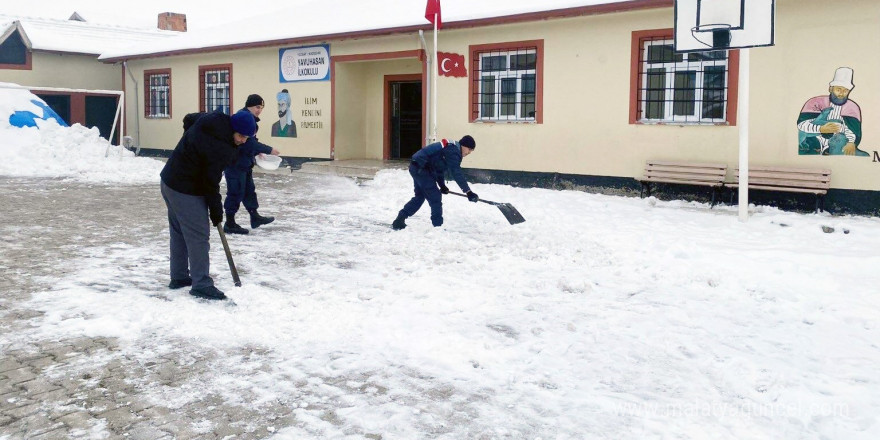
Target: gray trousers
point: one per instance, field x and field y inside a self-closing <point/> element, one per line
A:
<point x="190" y="227"/>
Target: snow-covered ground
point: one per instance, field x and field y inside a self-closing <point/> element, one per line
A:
<point x="599" y="317"/>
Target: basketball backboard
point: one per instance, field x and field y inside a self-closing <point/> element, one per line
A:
<point x="702" y="25"/>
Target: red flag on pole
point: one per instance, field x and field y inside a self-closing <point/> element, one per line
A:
<point x="432" y="8"/>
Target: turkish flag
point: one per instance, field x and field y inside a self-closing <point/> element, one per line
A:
<point x="451" y="64"/>
<point x="433" y="7"/>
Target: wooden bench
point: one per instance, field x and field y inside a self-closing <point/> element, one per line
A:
<point x="795" y="180"/>
<point x="684" y="173"/>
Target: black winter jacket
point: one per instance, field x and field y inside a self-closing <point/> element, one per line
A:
<point x="196" y="164"/>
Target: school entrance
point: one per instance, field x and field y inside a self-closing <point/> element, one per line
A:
<point x="377" y="105"/>
<point x="405" y="122"/>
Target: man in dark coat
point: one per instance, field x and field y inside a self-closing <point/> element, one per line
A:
<point x="240" y="186"/>
<point x="427" y="169"/>
<point x="191" y="190"/>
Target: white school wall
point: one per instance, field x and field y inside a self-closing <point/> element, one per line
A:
<point x="586" y="93"/>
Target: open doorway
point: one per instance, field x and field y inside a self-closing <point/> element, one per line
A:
<point x="101" y="113"/>
<point x="405" y="118"/>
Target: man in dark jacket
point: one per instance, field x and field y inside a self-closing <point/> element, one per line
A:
<point x="191" y="190"/>
<point x="427" y="169"/>
<point x="240" y="176"/>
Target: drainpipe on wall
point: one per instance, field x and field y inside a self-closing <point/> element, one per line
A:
<point x="137" y="122"/>
<point x="427" y="89"/>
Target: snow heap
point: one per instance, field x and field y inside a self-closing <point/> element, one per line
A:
<point x="50" y="150"/>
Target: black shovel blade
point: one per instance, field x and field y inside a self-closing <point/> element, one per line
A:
<point x="510" y="213"/>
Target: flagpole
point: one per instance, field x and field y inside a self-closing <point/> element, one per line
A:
<point x="435" y="73"/>
<point x="428" y="107"/>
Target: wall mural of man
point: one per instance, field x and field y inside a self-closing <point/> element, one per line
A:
<point x="832" y="124"/>
<point x="286" y="126"/>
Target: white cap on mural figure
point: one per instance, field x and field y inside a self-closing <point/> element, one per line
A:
<point x="843" y="77"/>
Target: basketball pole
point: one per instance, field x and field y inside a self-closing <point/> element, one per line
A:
<point x="743" y="117"/>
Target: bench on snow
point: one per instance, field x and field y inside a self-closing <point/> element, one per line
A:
<point x="684" y="173"/>
<point x="795" y="180"/>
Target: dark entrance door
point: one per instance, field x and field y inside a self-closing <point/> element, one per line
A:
<point x="59" y="103"/>
<point x="100" y="111"/>
<point x="406" y="118"/>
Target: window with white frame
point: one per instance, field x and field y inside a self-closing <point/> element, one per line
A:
<point x="681" y="87"/>
<point x="506" y="84"/>
<point x="215" y="89"/>
<point x="158" y="101"/>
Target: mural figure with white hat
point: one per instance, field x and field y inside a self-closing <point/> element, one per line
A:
<point x="832" y="124"/>
<point x="286" y="126"/>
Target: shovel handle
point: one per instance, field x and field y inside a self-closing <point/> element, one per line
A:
<point x="232" y="268"/>
<point x="479" y="200"/>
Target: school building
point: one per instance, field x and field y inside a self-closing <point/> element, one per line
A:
<point x="555" y="95"/>
<point x="58" y="61"/>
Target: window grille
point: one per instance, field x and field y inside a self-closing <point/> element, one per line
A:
<point x="158" y="95"/>
<point x="505" y="84"/>
<point x="215" y="89"/>
<point x="681" y="87"/>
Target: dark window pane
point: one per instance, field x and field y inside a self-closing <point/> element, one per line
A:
<point x="662" y="53"/>
<point x="487" y="97"/>
<point x="508" y="97"/>
<point x="655" y="96"/>
<point x="527" y="109"/>
<point x="528" y="83"/>
<point x="713" y="92"/>
<point x="523" y="61"/>
<point x="684" y="93"/>
<point x="708" y="56"/>
<point x="494" y="63"/>
<point x="13" y="50"/>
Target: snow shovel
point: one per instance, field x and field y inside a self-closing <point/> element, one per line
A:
<point x="510" y="213"/>
<point x="229" y="257"/>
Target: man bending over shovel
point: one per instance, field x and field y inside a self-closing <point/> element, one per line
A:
<point x="427" y="169"/>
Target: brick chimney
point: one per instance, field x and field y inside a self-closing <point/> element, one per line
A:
<point x="172" y="21"/>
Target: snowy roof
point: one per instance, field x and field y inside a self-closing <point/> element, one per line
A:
<point x="322" y="19"/>
<point x="72" y="36"/>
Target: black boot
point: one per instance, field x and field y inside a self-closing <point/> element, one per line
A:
<point x="180" y="283"/>
<point x="209" y="292"/>
<point x="398" y="223"/>
<point x="258" y="220"/>
<point x="230" y="227"/>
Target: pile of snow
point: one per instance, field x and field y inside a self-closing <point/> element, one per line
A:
<point x="50" y="150"/>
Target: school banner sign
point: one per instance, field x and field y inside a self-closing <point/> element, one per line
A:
<point x="310" y="63"/>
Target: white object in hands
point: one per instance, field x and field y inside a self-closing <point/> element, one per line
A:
<point x="268" y="161"/>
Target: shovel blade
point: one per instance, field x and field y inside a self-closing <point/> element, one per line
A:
<point x="510" y="213"/>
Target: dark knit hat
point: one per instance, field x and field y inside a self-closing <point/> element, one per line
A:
<point x="254" y="100"/>
<point x="243" y="123"/>
<point x="468" y="141"/>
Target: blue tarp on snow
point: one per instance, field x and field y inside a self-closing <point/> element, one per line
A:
<point x="28" y="119"/>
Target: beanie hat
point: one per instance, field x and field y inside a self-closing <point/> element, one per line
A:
<point x="253" y="100"/>
<point x="243" y="123"/>
<point x="468" y="141"/>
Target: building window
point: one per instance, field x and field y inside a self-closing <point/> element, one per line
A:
<point x="158" y="93"/>
<point x="14" y="54"/>
<point x="681" y="88"/>
<point x="506" y="82"/>
<point x="215" y="88"/>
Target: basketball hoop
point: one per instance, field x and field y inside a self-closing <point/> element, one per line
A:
<point x="706" y="25"/>
<point x="720" y="38"/>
